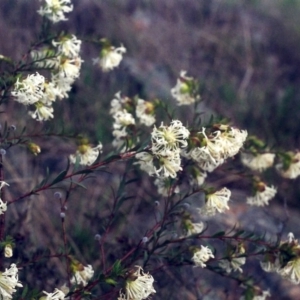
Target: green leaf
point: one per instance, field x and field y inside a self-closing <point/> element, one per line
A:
<point x="59" y="177"/>
<point x="219" y="234"/>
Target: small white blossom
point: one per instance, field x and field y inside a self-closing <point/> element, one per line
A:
<point x="69" y="47"/>
<point x="293" y="170"/>
<point x="30" y="90"/>
<point x="138" y="286"/>
<point x="8" y="282"/>
<point x="231" y="141"/>
<point x="258" y="162"/>
<point x="168" y="165"/>
<point x="291" y="271"/>
<point x="55" y="10"/>
<point x="3" y="207"/>
<point x="216" y="202"/>
<point x="70" y="67"/>
<point x="42" y="112"/>
<point x="210" y="155"/>
<point x="83" y="276"/>
<point x="110" y="58"/>
<point x="145" y="161"/>
<point x="144" y="111"/>
<point x="62" y="84"/>
<point x="56" y="295"/>
<point x="190" y="228"/>
<point x="234" y="264"/>
<point x="262" y="196"/>
<point x="118" y="103"/>
<point x="123" y="119"/>
<point x="167" y="139"/>
<point x="181" y="91"/>
<point x="201" y="256"/>
<point x="86" y="154"/>
<point x="198" y="179"/>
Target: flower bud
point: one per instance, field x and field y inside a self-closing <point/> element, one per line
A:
<point x="34" y="148"/>
<point x="8" y="251"/>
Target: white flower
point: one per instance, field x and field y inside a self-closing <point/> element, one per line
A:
<point x="231" y="141"/>
<point x="234" y="264"/>
<point x="198" y="178"/>
<point x="293" y="169"/>
<point x="205" y="159"/>
<point x="191" y="228"/>
<point x="42" y="112"/>
<point x="83" y="276"/>
<point x="138" y="286"/>
<point x="62" y="84"/>
<point x="86" y="154"/>
<point x="144" y="111"/>
<point x="216" y="202"/>
<point x="3" y="184"/>
<point x="122" y="120"/>
<point x="145" y="162"/>
<point x="110" y="58"/>
<point x="70" y="67"/>
<point x="8" y="251"/>
<point x="8" y="282"/>
<point x="56" y="295"/>
<point x="69" y="47"/>
<point x="29" y="90"/>
<point x="210" y="155"/>
<point x="164" y="188"/>
<point x="182" y="91"/>
<point x="201" y="256"/>
<point x="258" y="162"/>
<point x="3" y="205"/>
<point x="167" y="139"/>
<point x="54" y="10"/>
<point x="263" y="195"/>
<point x="291" y="271"/>
<point x="269" y="266"/>
<point x="118" y="103"/>
<point x="168" y="165"/>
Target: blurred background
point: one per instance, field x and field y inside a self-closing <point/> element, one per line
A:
<point x="245" y="54"/>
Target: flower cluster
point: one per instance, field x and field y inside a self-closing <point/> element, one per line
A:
<point x="286" y="262"/>
<point x="138" y="285"/>
<point x="215" y="148"/>
<point x="8" y="282"/>
<point x="201" y="256"/>
<point x="185" y="90"/>
<point x="55" y="10"/>
<point x="36" y="90"/>
<point x="167" y="142"/>
<point x="122" y="111"/>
